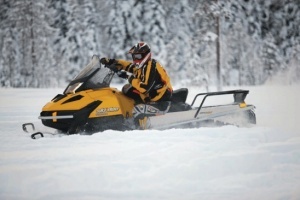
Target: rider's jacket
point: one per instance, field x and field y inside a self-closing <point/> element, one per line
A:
<point x="150" y="80"/>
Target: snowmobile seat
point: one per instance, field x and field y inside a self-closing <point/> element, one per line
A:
<point x="178" y="100"/>
<point x="163" y="106"/>
<point x="180" y="95"/>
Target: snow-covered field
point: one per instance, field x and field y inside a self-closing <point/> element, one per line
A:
<point x="262" y="162"/>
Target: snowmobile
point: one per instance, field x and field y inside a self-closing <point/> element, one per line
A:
<point x="89" y="105"/>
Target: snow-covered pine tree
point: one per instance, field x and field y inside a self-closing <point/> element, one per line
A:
<point x="182" y="46"/>
<point x="59" y="10"/>
<point x="272" y="58"/>
<point x="8" y="47"/>
<point x="181" y="35"/>
<point x="27" y="32"/>
<point x="116" y="33"/>
<point x="133" y="21"/>
<point x="241" y="46"/>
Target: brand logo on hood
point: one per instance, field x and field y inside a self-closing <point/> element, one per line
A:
<point x="105" y="111"/>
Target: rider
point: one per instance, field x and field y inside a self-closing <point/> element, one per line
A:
<point x="149" y="81"/>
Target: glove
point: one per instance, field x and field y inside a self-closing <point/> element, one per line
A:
<point x="107" y="61"/>
<point x="122" y="74"/>
<point x="113" y="67"/>
<point x="110" y="63"/>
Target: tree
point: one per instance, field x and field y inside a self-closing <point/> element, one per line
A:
<point x="45" y="43"/>
<point x="76" y="38"/>
<point x="26" y="31"/>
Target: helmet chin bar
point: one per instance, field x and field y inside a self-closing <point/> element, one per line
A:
<point x="140" y="63"/>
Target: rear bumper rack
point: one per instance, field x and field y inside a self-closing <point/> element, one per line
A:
<point x="238" y="95"/>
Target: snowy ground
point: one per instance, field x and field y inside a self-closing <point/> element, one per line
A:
<point x="231" y="163"/>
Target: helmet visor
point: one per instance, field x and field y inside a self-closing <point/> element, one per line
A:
<point x="137" y="56"/>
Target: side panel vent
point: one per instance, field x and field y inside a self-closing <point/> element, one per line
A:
<point x="75" y="98"/>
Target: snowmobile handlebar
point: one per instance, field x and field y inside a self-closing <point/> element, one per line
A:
<point x="113" y="67"/>
<point x="239" y="97"/>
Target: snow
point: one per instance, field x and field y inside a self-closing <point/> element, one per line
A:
<point x="261" y="162"/>
<point x="210" y="36"/>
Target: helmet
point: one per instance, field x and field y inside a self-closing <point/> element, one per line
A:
<point x="141" y="53"/>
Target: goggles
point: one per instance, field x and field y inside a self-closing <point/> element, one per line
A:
<point x="137" y="56"/>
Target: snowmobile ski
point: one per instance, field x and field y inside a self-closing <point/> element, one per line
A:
<point x="30" y="128"/>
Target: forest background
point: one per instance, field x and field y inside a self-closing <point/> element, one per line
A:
<point x="45" y="43"/>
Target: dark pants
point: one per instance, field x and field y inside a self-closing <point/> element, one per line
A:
<point x="133" y="93"/>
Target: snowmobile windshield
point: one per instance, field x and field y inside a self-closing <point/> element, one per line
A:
<point x="92" y="76"/>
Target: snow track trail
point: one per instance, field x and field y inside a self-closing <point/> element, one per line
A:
<point x="231" y="163"/>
